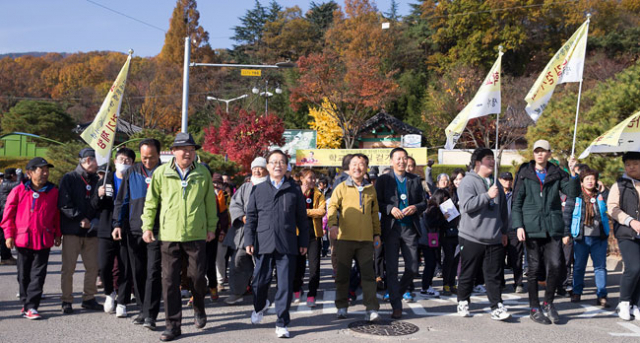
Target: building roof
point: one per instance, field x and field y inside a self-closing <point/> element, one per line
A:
<point x="389" y="121"/>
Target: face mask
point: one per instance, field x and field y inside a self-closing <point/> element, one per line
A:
<point x="258" y="180"/>
<point x="121" y="167"/>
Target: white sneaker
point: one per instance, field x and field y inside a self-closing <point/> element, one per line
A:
<point x="371" y="316"/>
<point x="110" y="303"/>
<point x="479" y="289"/>
<point x="635" y="311"/>
<point x="624" y="309"/>
<point x="121" y="311"/>
<point x="500" y="313"/>
<point x="463" y="309"/>
<point x="342" y="313"/>
<point x="430" y="292"/>
<point x="282" y="332"/>
<point x="256" y="317"/>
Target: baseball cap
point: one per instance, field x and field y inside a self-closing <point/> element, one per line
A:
<point x="38" y="162"/>
<point x="542" y="144"/>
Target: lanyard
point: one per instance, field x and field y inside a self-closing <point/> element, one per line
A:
<point x="309" y="199"/>
<point x="183" y="181"/>
<point x="87" y="187"/>
<point x="360" y="190"/>
<point x="147" y="179"/>
<point x="36" y="195"/>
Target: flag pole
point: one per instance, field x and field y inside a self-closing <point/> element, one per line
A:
<point x="495" y="169"/>
<point x="106" y="169"/>
<point x="575" y="127"/>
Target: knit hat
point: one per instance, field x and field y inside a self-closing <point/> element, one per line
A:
<point x="259" y="162"/>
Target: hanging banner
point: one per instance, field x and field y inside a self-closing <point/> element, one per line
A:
<point x="295" y="140"/>
<point x="333" y="157"/>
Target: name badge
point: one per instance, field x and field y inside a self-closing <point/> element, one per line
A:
<point x="593" y="200"/>
<point x="88" y="187"/>
<point x="36" y="195"/>
<point x="403" y="197"/>
<point x="360" y="189"/>
<point x="184" y="184"/>
<point x="308" y="200"/>
<point x="147" y="180"/>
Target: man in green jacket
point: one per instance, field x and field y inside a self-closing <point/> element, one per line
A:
<point x="537" y="216"/>
<point x="183" y="193"/>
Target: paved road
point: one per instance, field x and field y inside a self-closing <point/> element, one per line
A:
<point x="435" y="317"/>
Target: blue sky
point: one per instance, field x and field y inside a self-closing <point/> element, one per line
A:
<point x="78" y="25"/>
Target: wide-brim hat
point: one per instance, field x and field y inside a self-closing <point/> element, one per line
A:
<point x="184" y="139"/>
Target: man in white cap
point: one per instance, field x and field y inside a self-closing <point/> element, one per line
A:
<point x="241" y="264"/>
<point x="537" y="217"/>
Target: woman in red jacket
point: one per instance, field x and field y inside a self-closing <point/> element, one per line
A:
<point x="31" y="223"/>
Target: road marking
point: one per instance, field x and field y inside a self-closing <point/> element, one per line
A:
<point x="328" y="301"/>
<point x="635" y="329"/>
<point x="592" y="311"/>
<point x="417" y="309"/>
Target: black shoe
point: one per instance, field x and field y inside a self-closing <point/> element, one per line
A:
<point x="537" y="316"/>
<point x="66" y="308"/>
<point x="92" y="305"/>
<point x="561" y="291"/>
<point x="170" y="335"/>
<point x="150" y="324"/>
<point x="138" y="320"/>
<point x="550" y="312"/>
<point x="200" y="320"/>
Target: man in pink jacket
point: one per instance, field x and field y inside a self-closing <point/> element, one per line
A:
<point x="31" y="223"/>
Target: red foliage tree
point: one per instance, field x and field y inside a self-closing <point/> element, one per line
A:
<point x="244" y="137"/>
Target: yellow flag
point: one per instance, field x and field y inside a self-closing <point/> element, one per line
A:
<point x="623" y="137"/>
<point x="485" y="102"/>
<point x="102" y="132"/>
<point x="565" y="66"/>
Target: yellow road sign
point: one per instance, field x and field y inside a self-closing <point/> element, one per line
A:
<point x="251" y="72"/>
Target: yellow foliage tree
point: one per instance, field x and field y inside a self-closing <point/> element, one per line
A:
<point x="325" y="123"/>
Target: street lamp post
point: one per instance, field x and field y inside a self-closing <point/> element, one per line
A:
<point x="266" y="94"/>
<point x="227" y="101"/>
<point x="188" y="63"/>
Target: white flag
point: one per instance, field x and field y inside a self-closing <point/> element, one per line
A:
<point x="486" y="101"/>
<point x="565" y="66"/>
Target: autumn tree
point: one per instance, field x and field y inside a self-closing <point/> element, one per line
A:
<point x="183" y="23"/>
<point x="244" y="136"/>
<point x="355" y="86"/>
<point x="329" y="134"/>
<point x="288" y="37"/>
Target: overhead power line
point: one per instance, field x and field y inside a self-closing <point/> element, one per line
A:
<point x="126" y="16"/>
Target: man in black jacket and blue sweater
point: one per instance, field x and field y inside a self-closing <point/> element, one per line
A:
<point x="482" y="233"/>
<point x="127" y="222"/>
<point x="276" y="208"/>
<point x="401" y="201"/>
<point x="537" y="215"/>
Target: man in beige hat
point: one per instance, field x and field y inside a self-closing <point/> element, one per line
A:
<point x="537" y="217"/>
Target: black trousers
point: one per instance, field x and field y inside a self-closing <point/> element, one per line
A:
<point x="544" y="254"/>
<point x="515" y="252"/>
<point x="630" y="283"/>
<point x="403" y="238"/>
<point x="313" y="253"/>
<point x="172" y="255"/>
<point x="489" y="259"/>
<point x="430" y="262"/>
<point x="285" y="269"/>
<point x="378" y="263"/>
<point x="146" y="274"/>
<point x="212" y="252"/>
<point x="32" y="271"/>
<point x="108" y="251"/>
<point x="5" y="253"/>
<point x="450" y="264"/>
<point x="566" y="274"/>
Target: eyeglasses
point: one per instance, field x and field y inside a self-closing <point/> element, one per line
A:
<point x="275" y="163"/>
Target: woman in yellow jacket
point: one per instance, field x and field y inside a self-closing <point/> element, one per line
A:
<point x="316" y="209"/>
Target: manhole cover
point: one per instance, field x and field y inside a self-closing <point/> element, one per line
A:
<point x="384" y="328"/>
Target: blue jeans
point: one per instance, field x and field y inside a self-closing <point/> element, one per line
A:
<point x="597" y="247"/>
